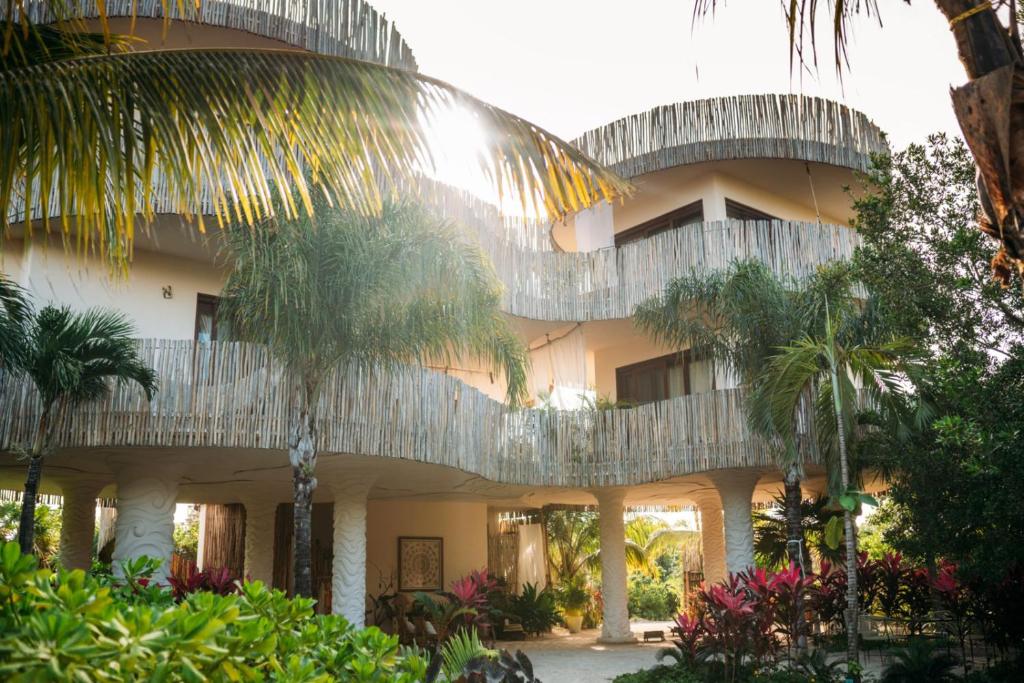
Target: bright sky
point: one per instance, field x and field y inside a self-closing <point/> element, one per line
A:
<point x="570" y="65"/>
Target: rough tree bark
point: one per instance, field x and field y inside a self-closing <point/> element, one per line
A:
<point x="302" y="454"/>
<point x="794" y="546"/>
<point x="27" y="522"/>
<point x="991" y="115"/>
<point x="851" y="615"/>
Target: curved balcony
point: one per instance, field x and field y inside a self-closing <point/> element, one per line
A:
<point x="232" y="395"/>
<point x="346" y="28"/>
<point x="739" y="127"/>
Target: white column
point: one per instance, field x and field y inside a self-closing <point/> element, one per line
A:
<point x="736" y="489"/>
<point x="615" y="624"/>
<point x="348" y="579"/>
<point x="260" y="515"/>
<point x="78" y="523"/>
<point x="712" y="537"/>
<point x="146" y="495"/>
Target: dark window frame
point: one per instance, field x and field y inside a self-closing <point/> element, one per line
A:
<point x="741" y="212"/>
<point x="663" y="223"/>
<point x="213" y="301"/>
<point x="665" y="362"/>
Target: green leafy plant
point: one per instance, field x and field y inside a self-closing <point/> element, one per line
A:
<point x="919" y="662"/>
<point x="460" y="649"/>
<point x="67" y="625"/>
<point x="535" y="609"/>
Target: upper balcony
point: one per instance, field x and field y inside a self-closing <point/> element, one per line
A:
<point x="234" y="396"/>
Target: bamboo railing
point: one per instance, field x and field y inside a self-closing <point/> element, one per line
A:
<point x="346" y="28"/>
<point x="738" y="127"/>
<point x="233" y="395"/>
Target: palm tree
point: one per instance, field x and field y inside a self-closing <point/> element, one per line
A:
<point x="71" y="358"/>
<point x="14" y="315"/>
<point x="739" y="317"/>
<point x="95" y="129"/>
<point x="648" y="539"/>
<point x="993" y="57"/>
<point x="771" y="533"/>
<point x="853" y="348"/>
<point x="366" y="291"/>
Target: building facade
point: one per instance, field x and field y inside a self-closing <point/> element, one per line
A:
<point x="433" y="453"/>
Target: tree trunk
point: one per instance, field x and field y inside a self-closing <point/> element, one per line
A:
<point x="302" y="455"/>
<point x="982" y="42"/>
<point x="27" y="523"/>
<point x="795" y="547"/>
<point x="852" y="636"/>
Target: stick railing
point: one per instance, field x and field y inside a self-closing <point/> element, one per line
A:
<point x="234" y="395"/>
<point x="739" y="127"/>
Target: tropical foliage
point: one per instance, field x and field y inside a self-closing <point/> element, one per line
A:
<point x="71" y="626"/>
<point x="367" y="292"/>
<point x="249" y="122"/>
<point x="45" y="537"/>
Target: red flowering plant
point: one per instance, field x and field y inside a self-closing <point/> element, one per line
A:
<point x="785" y="586"/>
<point x="892" y="576"/>
<point x="868" y="582"/>
<point x="956" y="600"/>
<point x="827" y="599"/>
<point x="738" y="622"/>
<point x="689" y="643"/>
<point x="918" y="599"/>
<point x="217" y="580"/>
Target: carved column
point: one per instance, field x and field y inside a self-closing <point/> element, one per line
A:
<point x="78" y="523"/>
<point x="348" y="579"/>
<point x="260" y="515"/>
<point x="712" y="536"/>
<point x="146" y="495"/>
<point x="614" y="591"/>
<point x="736" y="489"/>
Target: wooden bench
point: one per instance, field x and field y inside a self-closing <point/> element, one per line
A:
<point x="655" y="636"/>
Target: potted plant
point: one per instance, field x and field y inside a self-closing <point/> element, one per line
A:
<point x="573" y="598"/>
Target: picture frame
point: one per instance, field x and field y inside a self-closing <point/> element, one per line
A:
<point x="420" y="563"/>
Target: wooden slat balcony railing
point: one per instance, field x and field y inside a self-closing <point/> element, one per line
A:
<point x="233" y="395"/>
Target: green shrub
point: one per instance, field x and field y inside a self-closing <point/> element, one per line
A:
<point x="651" y="599"/>
<point x="534" y="609"/>
<point x="661" y="674"/>
<point x="71" y="626"/>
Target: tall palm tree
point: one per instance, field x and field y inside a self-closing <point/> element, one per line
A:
<point x="771" y="533"/>
<point x="652" y="538"/>
<point x="72" y="358"/>
<point x="95" y="130"/>
<point x="739" y="318"/>
<point x="852" y="349"/>
<point x="368" y="291"/>
<point x="990" y="120"/>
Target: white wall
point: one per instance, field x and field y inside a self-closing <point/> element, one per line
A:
<point x="54" y="276"/>
<point x="463" y="526"/>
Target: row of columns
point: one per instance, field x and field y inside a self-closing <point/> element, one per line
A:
<point x="146" y="497"/>
<point x="145" y="524"/>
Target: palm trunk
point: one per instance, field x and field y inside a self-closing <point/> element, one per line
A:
<point x="302" y="455"/>
<point x="851" y="616"/>
<point x="27" y="523"/>
<point x="794" y="546"/>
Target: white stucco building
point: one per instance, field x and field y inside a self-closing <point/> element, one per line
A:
<point x="437" y="454"/>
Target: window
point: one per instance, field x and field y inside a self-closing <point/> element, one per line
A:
<point x="208" y="328"/>
<point x="684" y="215"/>
<point x="656" y="379"/>
<point x="742" y="212"/>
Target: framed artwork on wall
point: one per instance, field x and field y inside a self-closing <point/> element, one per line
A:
<point x="420" y="563"/>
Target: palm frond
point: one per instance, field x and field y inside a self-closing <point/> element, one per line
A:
<point x="93" y="139"/>
<point x="802" y="16"/>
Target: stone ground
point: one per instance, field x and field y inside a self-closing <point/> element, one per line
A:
<point x="563" y="657"/>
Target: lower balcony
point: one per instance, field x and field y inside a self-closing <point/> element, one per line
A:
<point x="233" y="395"/>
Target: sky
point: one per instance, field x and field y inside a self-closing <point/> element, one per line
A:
<point x="571" y="65"/>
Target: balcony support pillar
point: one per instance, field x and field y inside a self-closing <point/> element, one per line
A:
<point x="146" y="494"/>
<point x="78" y="522"/>
<point x="712" y="536"/>
<point x="260" y="518"/>
<point x="348" y="579"/>
<point x="615" y="623"/>
<point x="736" y="490"/>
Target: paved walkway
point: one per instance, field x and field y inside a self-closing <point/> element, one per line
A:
<point x="563" y="657"/>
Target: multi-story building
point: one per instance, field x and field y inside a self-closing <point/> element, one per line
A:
<point x="433" y="452"/>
